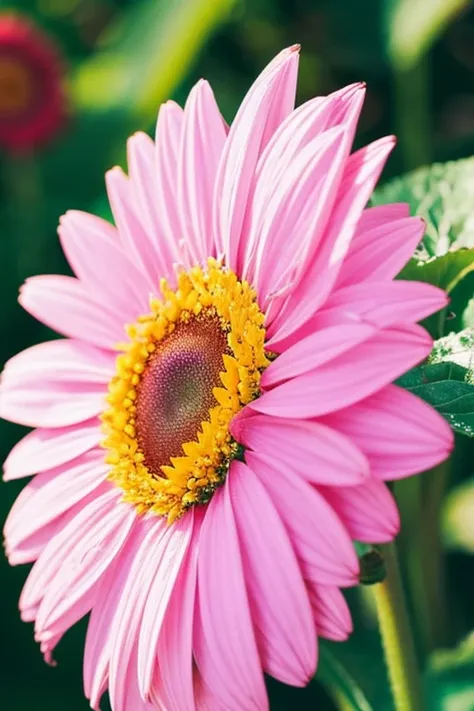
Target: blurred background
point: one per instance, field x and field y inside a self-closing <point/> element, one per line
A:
<point x="95" y="71"/>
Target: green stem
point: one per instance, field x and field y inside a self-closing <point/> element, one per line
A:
<point x="397" y="638"/>
<point x="412" y="113"/>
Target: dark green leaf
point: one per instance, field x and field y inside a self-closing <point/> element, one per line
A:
<point x="333" y="675"/>
<point x="449" y="680"/>
<point x="443" y="195"/>
<point x="445" y="387"/>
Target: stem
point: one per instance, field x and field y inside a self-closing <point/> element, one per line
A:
<point x="412" y="113"/>
<point x="397" y="639"/>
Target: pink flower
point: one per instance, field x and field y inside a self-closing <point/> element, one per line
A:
<point x="199" y="493"/>
<point x="33" y="104"/>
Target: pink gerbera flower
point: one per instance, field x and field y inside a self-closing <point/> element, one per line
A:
<point x="199" y="492"/>
<point x="33" y="106"/>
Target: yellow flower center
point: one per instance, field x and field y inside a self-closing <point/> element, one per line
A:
<point x="16" y="87"/>
<point x="191" y="364"/>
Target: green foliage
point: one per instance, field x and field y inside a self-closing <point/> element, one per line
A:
<point x="413" y="26"/>
<point x="447" y="388"/>
<point x="443" y="195"/>
<point x="450" y="678"/>
<point x="333" y="675"/>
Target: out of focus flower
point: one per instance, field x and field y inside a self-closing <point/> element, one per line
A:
<point x="33" y="105"/>
<point x="199" y="493"/>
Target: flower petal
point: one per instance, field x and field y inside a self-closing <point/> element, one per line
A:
<point x="320" y="540"/>
<point x="137" y="244"/>
<point x="386" y="303"/>
<point x="315" y="452"/>
<point x="287" y="643"/>
<point x="375" y="362"/>
<point x="175" y="655"/>
<point x="51" y="494"/>
<point x="368" y="511"/>
<point x="168" y="561"/>
<point x="204" y="135"/>
<point x="331" y="612"/>
<point x="400" y="434"/>
<point x="129" y="613"/>
<point x="267" y="103"/>
<point x="379" y="251"/>
<point x="38" y="384"/>
<point x="110" y="275"/>
<point x="169" y="128"/>
<point x="360" y="176"/>
<point x="224" y="646"/>
<point x="65" y="305"/>
<point x="97" y="535"/>
<point x="44" y="449"/>
<point x="321" y="346"/>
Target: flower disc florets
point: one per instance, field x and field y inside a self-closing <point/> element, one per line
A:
<point x="191" y="364"/>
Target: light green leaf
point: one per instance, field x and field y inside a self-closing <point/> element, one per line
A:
<point x="456" y="348"/>
<point x="449" y="680"/>
<point x="146" y="54"/>
<point x="340" y="684"/>
<point x="447" y="388"/>
<point x="457" y="522"/>
<point x="414" y="25"/>
<point x="443" y="195"/>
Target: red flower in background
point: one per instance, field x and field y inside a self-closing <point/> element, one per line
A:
<point x="32" y="100"/>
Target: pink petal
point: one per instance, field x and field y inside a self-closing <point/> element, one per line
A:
<point x="167" y="563"/>
<point x="52" y="555"/>
<point x="386" y="303"/>
<point x="313" y="451"/>
<point x="321" y="346"/>
<point x="287" y="643"/>
<point x="93" y="250"/>
<point x="379" y="252"/>
<point x="38" y="384"/>
<point x="399" y="433"/>
<point x="129" y="613"/>
<point x="44" y="449"/>
<point x="380" y="215"/>
<point x="137" y="244"/>
<point x="368" y="511"/>
<point x="320" y="540"/>
<point x="175" y="677"/>
<point x="98" y="534"/>
<point x="267" y="103"/>
<point x="99" y="639"/>
<point x="331" y="387"/>
<point x="360" y="176"/>
<point x="225" y="648"/>
<point x="299" y="129"/>
<point x="143" y="184"/>
<point x="50" y="494"/>
<point x="292" y="207"/>
<point x="65" y="305"/>
<point x="298" y="205"/>
<point x="169" y="129"/>
<point x="331" y="612"/>
<point x="204" y="135"/>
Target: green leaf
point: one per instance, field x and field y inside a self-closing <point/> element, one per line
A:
<point x="449" y="680"/>
<point x="446" y="386"/>
<point x="146" y="54"/>
<point x="443" y="195"/>
<point x="414" y="25"/>
<point x="457" y="522"/>
<point x="340" y="684"/>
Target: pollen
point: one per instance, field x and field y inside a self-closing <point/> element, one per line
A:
<point x="189" y="366"/>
